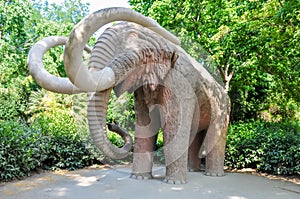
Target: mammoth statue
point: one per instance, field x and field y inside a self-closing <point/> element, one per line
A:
<point x="172" y="91"/>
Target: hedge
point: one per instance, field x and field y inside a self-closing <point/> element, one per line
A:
<point x="47" y="144"/>
<point x="53" y="142"/>
<point x="268" y="147"/>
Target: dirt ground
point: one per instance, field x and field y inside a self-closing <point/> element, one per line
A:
<point x="293" y="178"/>
<point x="105" y="182"/>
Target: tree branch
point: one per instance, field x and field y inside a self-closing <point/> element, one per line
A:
<point x="225" y="76"/>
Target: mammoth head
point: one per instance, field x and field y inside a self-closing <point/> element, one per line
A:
<point x="136" y="55"/>
<point x="126" y="50"/>
<point x="80" y="78"/>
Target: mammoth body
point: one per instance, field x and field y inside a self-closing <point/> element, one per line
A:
<point x="172" y="92"/>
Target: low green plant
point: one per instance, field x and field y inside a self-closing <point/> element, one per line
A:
<point x="65" y="146"/>
<point x="268" y="147"/>
<point x="160" y="140"/>
<point x="115" y="139"/>
<point x="19" y="153"/>
<point x="51" y="143"/>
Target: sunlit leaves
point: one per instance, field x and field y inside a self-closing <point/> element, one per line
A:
<point x="258" y="39"/>
<point x="24" y="22"/>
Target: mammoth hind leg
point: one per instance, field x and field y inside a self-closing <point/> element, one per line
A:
<point x="194" y="161"/>
<point x="214" y="162"/>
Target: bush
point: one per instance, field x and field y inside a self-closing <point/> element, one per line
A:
<point x="14" y="99"/>
<point x="52" y="142"/>
<point x="18" y="155"/>
<point x="65" y="146"/>
<point x="268" y="147"/>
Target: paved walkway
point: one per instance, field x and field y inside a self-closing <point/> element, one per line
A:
<point x="116" y="184"/>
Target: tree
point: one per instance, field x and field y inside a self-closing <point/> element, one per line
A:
<point x="22" y="24"/>
<point x="14" y="41"/>
<point x="259" y="40"/>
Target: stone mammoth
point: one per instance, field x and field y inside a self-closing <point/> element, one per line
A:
<point x="173" y="92"/>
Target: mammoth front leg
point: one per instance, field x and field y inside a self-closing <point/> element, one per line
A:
<point x="176" y="141"/>
<point x="146" y="129"/>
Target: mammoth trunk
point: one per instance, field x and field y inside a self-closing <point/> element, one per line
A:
<point x="97" y="111"/>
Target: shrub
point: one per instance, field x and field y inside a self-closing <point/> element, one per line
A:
<point x="52" y="142"/>
<point x="18" y="153"/>
<point x="65" y="146"/>
<point x="268" y="147"/>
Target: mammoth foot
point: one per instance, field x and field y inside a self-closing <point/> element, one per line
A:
<point x="214" y="174"/>
<point x="169" y="181"/>
<point x="174" y="180"/>
<point x="145" y="176"/>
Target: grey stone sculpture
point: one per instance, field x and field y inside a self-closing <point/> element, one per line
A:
<point x="173" y="92"/>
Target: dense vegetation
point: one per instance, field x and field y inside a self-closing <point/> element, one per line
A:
<point x="259" y="40"/>
<point x="268" y="147"/>
<point x="46" y="145"/>
<point x="38" y="129"/>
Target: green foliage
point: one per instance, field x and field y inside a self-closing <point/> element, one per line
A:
<point x="17" y="156"/>
<point x="65" y="146"/>
<point x="268" y="147"/>
<point x="8" y="109"/>
<point x="68" y="11"/>
<point x="13" y="39"/>
<point x="115" y="139"/>
<point x="48" y="103"/>
<point x="121" y="111"/>
<point x="260" y="40"/>
<point x="14" y="99"/>
<point x="22" y="24"/>
<point x="160" y="140"/>
<point x="52" y="142"/>
<point x="55" y="137"/>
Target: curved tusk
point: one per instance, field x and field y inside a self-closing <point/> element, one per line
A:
<point x="41" y="75"/>
<point x="79" y="75"/>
